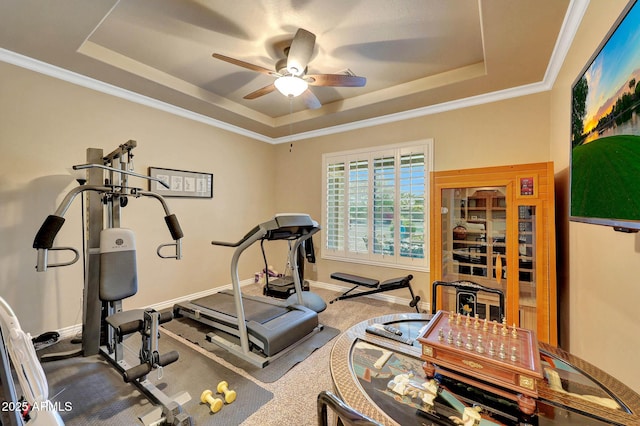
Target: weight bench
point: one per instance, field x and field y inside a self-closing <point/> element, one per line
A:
<point x="375" y="285"/>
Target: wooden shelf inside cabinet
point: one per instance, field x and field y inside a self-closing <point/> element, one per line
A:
<point x="485" y="228"/>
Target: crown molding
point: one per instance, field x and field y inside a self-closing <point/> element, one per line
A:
<point x="572" y="19"/>
<point x="109" y="89"/>
<point x="570" y="25"/>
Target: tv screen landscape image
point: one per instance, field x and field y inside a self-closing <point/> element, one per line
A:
<point x="605" y="141"/>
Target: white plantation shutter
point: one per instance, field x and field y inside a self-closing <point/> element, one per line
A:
<point x="358" y="206"/>
<point x="412" y="205"/>
<point x="335" y="207"/>
<point x="375" y="204"/>
<point x="384" y="200"/>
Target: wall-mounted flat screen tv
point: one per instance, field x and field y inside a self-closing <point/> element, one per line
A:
<point x="605" y="129"/>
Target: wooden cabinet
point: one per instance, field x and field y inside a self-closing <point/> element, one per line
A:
<point x="496" y="226"/>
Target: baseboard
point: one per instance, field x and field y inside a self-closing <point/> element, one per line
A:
<point x="71" y="331"/>
<point x="74" y="330"/>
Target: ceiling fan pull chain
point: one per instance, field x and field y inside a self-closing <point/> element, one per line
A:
<point x="290" y="124"/>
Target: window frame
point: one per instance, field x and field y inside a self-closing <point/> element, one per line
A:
<point x="425" y="147"/>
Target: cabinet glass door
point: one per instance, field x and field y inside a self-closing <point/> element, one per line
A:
<point x="474" y="245"/>
<point x="527" y="276"/>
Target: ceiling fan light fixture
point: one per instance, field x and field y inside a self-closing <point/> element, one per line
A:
<point x="291" y="86"/>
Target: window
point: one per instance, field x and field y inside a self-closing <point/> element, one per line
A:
<point x="375" y="205"/>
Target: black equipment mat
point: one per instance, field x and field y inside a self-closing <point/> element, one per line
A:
<point x="195" y="332"/>
<point x="97" y="394"/>
<point x="224" y="302"/>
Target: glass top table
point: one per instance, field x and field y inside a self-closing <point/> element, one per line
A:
<point x="384" y="379"/>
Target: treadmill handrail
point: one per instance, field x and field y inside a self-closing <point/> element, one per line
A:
<point x="225" y="244"/>
<point x="257" y="233"/>
<point x="245" y="238"/>
<point x="269" y="231"/>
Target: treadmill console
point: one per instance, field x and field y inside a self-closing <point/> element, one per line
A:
<point x="289" y="226"/>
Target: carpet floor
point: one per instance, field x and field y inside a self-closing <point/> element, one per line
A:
<point x="195" y="332"/>
<point x="97" y="395"/>
<point x="289" y="400"/>
<point x="295" y="394"/>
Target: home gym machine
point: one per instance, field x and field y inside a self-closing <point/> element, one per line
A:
<point x="267" y="328"/>
<point x="111" y="275"/>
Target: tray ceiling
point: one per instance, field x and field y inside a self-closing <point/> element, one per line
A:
<point x="413" y="53"/>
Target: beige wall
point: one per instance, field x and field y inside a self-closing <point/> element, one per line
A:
<point x="46" y="127"/>
<point x="598" y="268"/>
<point x="488" y="135"/>
<point x="598" y="282"/>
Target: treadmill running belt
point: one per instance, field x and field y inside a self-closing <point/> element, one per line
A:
<point x="253" y="310"/>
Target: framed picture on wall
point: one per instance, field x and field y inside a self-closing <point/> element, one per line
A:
<point x="181" y="183"/>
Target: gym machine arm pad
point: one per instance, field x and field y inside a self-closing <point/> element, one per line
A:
<point x="47" y="232"/>
<point x="174" y="226"/>
<point x="43" y="242"/>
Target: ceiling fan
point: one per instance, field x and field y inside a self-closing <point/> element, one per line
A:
<point x="290" y="72"/>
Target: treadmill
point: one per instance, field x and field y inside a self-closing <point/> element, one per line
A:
<point x="266" y="328"/>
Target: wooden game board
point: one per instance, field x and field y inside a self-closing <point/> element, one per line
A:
<point x="501" y="359"/>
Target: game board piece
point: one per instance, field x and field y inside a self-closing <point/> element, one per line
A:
<point x="501" y="352"/>
<point x="469" y="344"/>
<point x="479" y="346"/>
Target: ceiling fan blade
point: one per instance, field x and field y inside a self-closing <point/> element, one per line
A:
<point x="261" y="92"/>
<point x="243" y="64"/>
<point x="310" y="100"/>
<point x="300" y="51"/>
<point x="342" y="80"/>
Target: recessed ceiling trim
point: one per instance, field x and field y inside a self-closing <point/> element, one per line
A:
<point x="123" y="62"/>
<point x="500" y="95"/>
<point x="412" y="87"/>
<point x="109" y="89"/>
<point x="572" y="20"/>
<point x="575" y="13"/>
<point x="482" y="34"/>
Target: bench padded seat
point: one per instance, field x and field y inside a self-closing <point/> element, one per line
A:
<point x="355" y="279"/>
